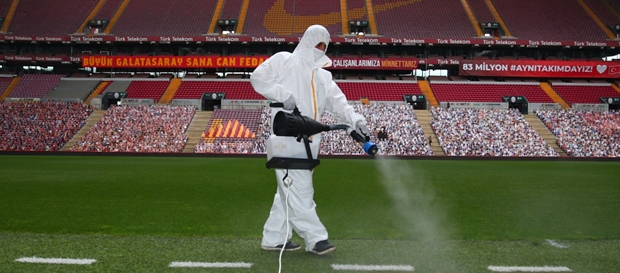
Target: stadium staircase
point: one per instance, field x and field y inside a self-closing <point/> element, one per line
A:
<point x="597" y="20"/>
<point x="616" y="87"/>
<point x="196" y="129"/>
<point x="242" y="14"/>
<point x="472" y="18"/>
<point x="372" y="22"/>
<point x="102" y="86"/>
<point x="424" y="117"/>
<point x="91" y="16"/>
<point x="92" y="120"/>
<point x="10" y="88"/>
<point x="9" y="16"/>
<point x="116" y="16"/>
<point x="344" y="16"/>
<point x="498" y="18"/>
<point x="553" y="95"/>
<point x="428" y="92"/>
<point x="544" y="132"/>
<point x="216" y="16"/>
<point x="170" y="91"/>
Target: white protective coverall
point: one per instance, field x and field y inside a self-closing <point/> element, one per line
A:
<point x="300" y="74"/>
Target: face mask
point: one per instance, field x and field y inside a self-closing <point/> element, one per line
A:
<point x="317" y="54"/>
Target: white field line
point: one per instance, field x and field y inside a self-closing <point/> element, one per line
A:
<point x="37" y="260"/>
<point x="529" y="268"/>
<point x="357" y="267"/>
<point x="210" y="265"/>
<point x="556" y="244"/>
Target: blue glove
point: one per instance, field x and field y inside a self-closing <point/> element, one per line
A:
<point x="360" y="128"/>
<point x="289" y="104"/>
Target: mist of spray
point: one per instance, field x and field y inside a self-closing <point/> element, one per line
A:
<point x="413" y="197"/>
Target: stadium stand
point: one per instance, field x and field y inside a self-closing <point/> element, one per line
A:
<point x="242" y="90"/>
<point x="430" y="20"/>
<point x="4" y="7"/>
<point x="234" y="89"/>
<point x="481" y="10"/>
<point x="38" y="17"/>
<point x="116" y="86"/>
<point x="572" y="93"/>
<point x="4" y="83"/>
<point x="356" y="9"/>
<point x="35" y="85"/>
<point x="468" y="92"/>
<point x="165" y="18"/>
<point x="146" y="89"/>
<point x="549" y="20"/>
<point x="398" y="120"/>
<point x="309" y="12"/>
<point x="40" y="126"/>
<point x="377" y="91"/>
<point x="140" y="129"/>
<point x="109" y="8"/>
<point x="231" y="131"/>
<point x="487" y="132"/>
<point x="71" y="90"/>
<point x="286" y="18"/>
<point x="584" y="133"/>
<point x="231" y="9"/>
<point x="605" y="15"/>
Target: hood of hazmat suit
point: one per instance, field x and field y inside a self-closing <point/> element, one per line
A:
<point x="301" y="74"/>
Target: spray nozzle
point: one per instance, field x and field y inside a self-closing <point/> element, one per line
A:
<point x="369" y="146"/>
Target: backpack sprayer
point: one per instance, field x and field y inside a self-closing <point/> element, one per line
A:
<point x="301" y="127"/>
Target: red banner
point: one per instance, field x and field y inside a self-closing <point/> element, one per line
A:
<point x="237" y="62"/>
<point x="540" y="69"/>
<point x="374" y="63"/>
<point x="171" y="62"/>
<point x="335" y="39"/>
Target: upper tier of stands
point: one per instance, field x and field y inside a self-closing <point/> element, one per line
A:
<point x="231" y="9"/>
<point x="164" y="17"/>
<point x="286" y="18"/>
<point x="108" y="9"/>
<point x="548" y="20"/>
<point x="481" y="10"/>
<point x="527" y="19"/>
<point x="45" y="18"/>
<point x="606" y="16"/>
<point x="4" y="7"/>
<point x="423" y="19"/>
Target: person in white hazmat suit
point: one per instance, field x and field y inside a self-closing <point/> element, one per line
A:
<point x="298" y="80"/>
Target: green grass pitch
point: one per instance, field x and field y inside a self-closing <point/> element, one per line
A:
<point x="138" y="214"/>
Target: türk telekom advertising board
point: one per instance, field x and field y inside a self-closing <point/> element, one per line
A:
<point x="540" y="69"/>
